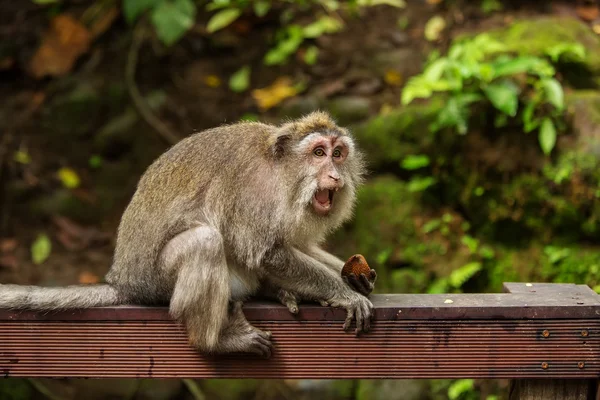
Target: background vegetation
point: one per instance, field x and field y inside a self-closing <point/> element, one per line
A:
<point x="481" y="122"/>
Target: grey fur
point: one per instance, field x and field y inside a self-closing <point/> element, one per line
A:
<point x="216" y="214"/>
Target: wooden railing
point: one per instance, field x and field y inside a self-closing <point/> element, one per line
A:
<point x="545" y="337"/>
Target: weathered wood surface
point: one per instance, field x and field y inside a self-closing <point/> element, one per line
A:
<point x="537" y="331"/>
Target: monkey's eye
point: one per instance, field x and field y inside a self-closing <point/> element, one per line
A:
<point x="337" y="153"/>
<point x="319" y="152"/>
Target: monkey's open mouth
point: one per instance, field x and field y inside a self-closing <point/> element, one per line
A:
<point x="322" y="201"/>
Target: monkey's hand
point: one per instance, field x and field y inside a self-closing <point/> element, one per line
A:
<point x="357" y="307"/>
<point x="362" y="283"/>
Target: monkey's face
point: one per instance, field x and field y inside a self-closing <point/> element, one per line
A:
<point x="325" y="157"/>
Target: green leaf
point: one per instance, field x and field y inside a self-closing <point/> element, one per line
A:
<point x="322" y="26"/>
<point x="413" y="162"/>
<point x="435" y="70"/>
<point x="419" y="184"/>
<point x="529" y="120"/>
<point x="40" y="249"/>
<point x="132" y="9"/>
<point x="95" y="161"/>
<point x="69" y="178"/>
<point x="438" y="286"/>
<point x="455" y="113"/>
<point x="554" y="92"/>
<point x="460" y="276"/>
<point x="172" y="19"/>
<point x="250" y="117"/>
<point x="240" y="80"/>
<point x="222" y="19"/>
<point x="22" y="157"/>
<point x="547" y="136"/>
<point x="504" y="96"/>
<point x="286" y="46"/>
<point x="416" y="88"/>
<point x="504" y="66"/>
<point x="218" y="4"/>
<point x="261" y="8"/>
<point x="431" y="225"/>
<point x="470" y="242"/>
<point x="311" y="55"/>
<point x="489" y="6"/>
<point x="575" y="49"/>
<point x="460" y="387"/>
<point x="487" y="252"/>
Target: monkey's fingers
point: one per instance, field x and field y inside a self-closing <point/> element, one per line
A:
<point x="368" y="316"/>
<point x="324" y="303"/>
<point x="373" y="276"/>
<point x="357" y="284"/>
<point x="359" y="321"/>
<point x="349" y="318"/>
<point x="366" y="284"/>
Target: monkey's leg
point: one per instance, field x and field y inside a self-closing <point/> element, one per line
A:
<point x="201" y="294"/>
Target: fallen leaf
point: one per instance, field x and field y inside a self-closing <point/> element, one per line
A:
<point x="212" y="81"/>
<point x="587" y="12"/>
<point x="64" y="42"/>
<point x="271" y="96"/>
<point x="8" y="245"/>
<point x="393" y="78"/>
<point x="434" y="28"/>
<point x="88" y="278"/>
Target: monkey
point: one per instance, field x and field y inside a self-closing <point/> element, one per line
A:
<point x="221" y="213"/>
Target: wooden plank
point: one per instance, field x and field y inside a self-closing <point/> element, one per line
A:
<point x="520" y="335"/>
<point x="387" y="307"/>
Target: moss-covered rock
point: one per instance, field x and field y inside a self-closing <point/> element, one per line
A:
<point x="389" y="138"/>
<point x="536" y="36"/>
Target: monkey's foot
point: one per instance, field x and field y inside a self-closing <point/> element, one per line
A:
<point x="241" y="336"/>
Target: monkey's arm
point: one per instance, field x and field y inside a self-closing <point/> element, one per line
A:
<point x="297" y="272"/>
<point x="363" y="284"/>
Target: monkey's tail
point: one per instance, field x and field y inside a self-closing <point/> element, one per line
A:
<point x="58" y="298"/>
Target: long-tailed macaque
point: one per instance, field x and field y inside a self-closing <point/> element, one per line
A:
<point x="221" y="212"/>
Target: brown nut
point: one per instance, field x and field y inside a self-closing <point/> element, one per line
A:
<point x="356" y="265"/>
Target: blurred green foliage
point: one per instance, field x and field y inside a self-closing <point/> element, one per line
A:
<point x="482" y="69"/>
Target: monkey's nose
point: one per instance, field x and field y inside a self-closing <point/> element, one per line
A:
<point x="334" y="177"/>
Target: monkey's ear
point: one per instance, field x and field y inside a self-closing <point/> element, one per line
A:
<point x="279" y="143"/>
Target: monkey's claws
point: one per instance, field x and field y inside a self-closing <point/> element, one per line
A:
<point x="260" y="343"/>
